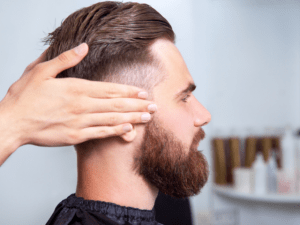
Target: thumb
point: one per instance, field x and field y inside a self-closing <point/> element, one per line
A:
<point x="65" y="60"/>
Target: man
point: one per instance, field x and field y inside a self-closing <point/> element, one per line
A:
<point x="119" y="177"/>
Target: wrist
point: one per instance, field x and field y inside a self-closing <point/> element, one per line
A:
<point x="10" y="136"/>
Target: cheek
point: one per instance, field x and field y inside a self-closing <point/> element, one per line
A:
<point x="180" y="122"/>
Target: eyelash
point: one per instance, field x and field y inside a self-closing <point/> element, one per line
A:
<point x="185" y="98"/>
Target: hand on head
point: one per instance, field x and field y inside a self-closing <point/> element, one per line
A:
<point x="41" y="110"/>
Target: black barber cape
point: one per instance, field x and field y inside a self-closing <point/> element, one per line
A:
<point x="77" y="211"/>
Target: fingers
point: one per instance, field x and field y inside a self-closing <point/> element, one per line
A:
<point x="102" y="132"/>
<point x="113" y="119"/>
<point x="94" y="105"/>
<point x="65" y="60"/>
<point x="97" y="89"/>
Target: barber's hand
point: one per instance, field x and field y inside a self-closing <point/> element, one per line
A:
<point x="41" y="110"/>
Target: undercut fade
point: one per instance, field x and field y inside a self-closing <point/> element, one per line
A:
<point x="119" y="36"/>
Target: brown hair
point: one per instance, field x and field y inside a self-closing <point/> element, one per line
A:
<point x="119" y="36"/>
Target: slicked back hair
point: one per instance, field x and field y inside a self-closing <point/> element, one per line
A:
<point x="119" y="36"/>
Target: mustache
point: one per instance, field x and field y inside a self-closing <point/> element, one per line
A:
<point x="200" y="135"/>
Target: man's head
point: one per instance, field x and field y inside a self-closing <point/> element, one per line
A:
<point x="133" y="44"/>
<point x="119" y="36"/>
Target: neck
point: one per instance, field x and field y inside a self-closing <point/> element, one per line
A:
<point x="105" y="174"/>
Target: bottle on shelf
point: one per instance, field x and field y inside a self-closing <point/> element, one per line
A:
<point x="266" y="147"/>
<point x="219" y="161"/>
<point x="250" y="151"/>
<point x="234" y="155"/>
<point x="250" y="147"/>
<point x="242" y="180"/>
<point x="288" y="148"/>
<point x="272" y="173"/>
<point x="259" y="175"/>
<point x="287" y="175"/>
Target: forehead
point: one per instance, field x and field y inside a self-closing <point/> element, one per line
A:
<point x="173" y="65"/>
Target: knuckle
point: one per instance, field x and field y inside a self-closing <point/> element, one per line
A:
<point x="136" y="118"/>
<point x="75" y="82"/>
<point x="102" y="133"/>
<point x="112" y="120"/>
<point x="82" y="121"/>
<point x="77" y="107"/>
<point x="38" y="69"/>
<point x="111" y="93"/>
<point x="115" y="131"/>
<point x="64" y="58"/>
<point x="29" y="67"/>
<point x="118" y="105"/>
<point x="129" y="91"/>
<point x="12" y="88"/>
<point x="74" y="88"/>
<point x="73" y="137"/>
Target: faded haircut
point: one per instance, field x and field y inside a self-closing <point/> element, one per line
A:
<point x="119" y="36"/>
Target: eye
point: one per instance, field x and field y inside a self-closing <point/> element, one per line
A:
<point x="185" y="98"/>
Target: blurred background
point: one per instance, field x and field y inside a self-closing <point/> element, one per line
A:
<point x="244" y="57"/>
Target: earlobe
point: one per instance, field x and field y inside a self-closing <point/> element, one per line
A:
<point x="129" y="136"/>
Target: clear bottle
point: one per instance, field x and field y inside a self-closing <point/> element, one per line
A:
<point x="259" y="175"/>
<point x="288" y="149"/>
<point x="287" y="176"/>
<point x="272" y="173"/>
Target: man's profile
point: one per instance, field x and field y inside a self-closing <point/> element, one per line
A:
<point x="119" y="177"/>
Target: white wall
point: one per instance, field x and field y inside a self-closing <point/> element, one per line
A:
<point x="34" y="179"/>
<point x="254" y="49"/>
<point x="248" y="65"/>
<point x="243" y="56"/>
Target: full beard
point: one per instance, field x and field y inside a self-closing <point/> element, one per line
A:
<point x="175" y="169"/>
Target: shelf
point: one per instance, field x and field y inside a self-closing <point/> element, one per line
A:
<point x="269" y="198"/>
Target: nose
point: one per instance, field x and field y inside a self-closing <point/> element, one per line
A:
<point x="202" y="116"/>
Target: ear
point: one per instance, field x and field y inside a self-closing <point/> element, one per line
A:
<point x="129" y="136"/>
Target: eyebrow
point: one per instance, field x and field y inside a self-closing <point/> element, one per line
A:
<point x="190" y="88"/>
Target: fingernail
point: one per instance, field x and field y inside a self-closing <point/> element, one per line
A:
<point x="80" y="49"/>
<point x="143" y="94"/>
<point x="127" y="128"/>
<point x="152" y="107"/>
<point x="146" y="117"/>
